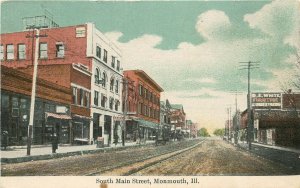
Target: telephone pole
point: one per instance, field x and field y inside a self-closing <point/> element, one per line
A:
<point x="34" y="79"/>
<point x="249" y="65"/>
<point x="236" y="124"/>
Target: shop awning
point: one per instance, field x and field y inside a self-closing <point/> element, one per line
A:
<point x="82" y="117"/>
<point x="57" y="116"/>
<point x="148" y="124"/>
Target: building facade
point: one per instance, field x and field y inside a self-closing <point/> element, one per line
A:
<point x="178" y="120"/>
<point x="275" y="119"/>
<point x="143" y="106"/>
<point x="52" y="109"/>
<point x="86" y="47"/>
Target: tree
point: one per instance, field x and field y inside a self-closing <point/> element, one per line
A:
<point x="219" y="132"/>
<point x="203" y="132"/>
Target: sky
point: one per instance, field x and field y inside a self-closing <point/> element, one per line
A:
<point x="191" y="49"/>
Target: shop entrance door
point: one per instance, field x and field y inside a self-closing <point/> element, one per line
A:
<point x="107" y="130"/>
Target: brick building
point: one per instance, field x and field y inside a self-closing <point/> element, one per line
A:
<point x="87" y="47"/>
<point x="276" y="119"/>
<point x="52" y="108"/>
<point x="77" y="78"/>
<point x="143" y="105"/>
<point x="178" y="121"/>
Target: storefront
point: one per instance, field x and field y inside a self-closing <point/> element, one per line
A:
<point x="15" y="109"/>
<point x="139" y="130"/>
<point x="278" y="128"/>
<point x="81" y="129"/>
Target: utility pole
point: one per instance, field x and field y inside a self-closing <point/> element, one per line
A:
<point x="236" y="126"/>
<point x="33" y="91"/>
<point x="249" y="65"/>
<point x="125" y="81"/>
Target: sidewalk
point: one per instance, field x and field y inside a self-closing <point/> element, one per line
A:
<point x="41" y="153"/>
<point x="245" y="145"/>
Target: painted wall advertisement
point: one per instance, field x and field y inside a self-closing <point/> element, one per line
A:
<point x="266" y="100"/>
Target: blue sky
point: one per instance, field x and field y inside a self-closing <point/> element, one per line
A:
<point x="191" y="49"/>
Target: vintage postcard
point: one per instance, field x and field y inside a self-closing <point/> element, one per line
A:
<point x="150" y="93"/>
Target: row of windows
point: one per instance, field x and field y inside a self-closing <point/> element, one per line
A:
<point x="21" y="51"/>
<point x="80" y="97"/>
<point x="114" y="84"/>
<point x="113" y="103"/>
<point x="114" y="63"/>
<point x="144" y="92"/>
<point x="148" y="111"/>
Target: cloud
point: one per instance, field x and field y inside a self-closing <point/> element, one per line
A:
<point x="200" y="76"/>
<point x="114" y="35"/>
<point x="213" y="24"/>
<point x="277" y="19"/>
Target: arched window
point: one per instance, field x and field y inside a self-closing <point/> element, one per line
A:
<point x="117" y="86"/>
<point x="104" y="78"/>
<point x="97" y="76"/>
<point x="112" y="82"/>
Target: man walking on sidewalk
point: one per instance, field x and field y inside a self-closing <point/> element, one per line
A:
<point x="54" y="142"/>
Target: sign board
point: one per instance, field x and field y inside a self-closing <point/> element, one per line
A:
<point x="80" y="32"/>
<point x="118" y="118"/>
<point x="131" y="113"/>
<point x="61" y="109"/>
<point x="266" y="100"/>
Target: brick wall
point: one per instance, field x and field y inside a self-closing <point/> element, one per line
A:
<point x="75" y="47"/>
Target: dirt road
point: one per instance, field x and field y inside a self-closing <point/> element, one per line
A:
<point x="216" y="157"/>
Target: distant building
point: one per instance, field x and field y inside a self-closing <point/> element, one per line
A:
<point x="177" y="117"/>
<point x="143" y="106"/>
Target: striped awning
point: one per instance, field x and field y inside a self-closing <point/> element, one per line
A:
<point x="58" y="116"/>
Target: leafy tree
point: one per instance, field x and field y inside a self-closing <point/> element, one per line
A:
<point x="219" y="132"/>
<point x="203" y="132"/>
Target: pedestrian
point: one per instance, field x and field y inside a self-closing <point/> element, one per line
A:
<point x="4" y="140"/>
<point x="54" y="142"/>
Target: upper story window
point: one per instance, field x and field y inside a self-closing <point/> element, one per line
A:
<point x="43" y="53"/>
<point x="96" y="98"/>
<point x="98" y="52"/>
<point x="146" y="93"/>
<point x="118" y="65"/>
<point x="104" y="78"/>
<point x="60" y="50"/>
<point x="113" y="59"/>
<point x="9" y="51"/>
<point x="87" y="99"/>
<point x="117" y="103"/>
<point x="81" y="96"/>
<point x="112" y="82"/>
<point x="97" y="76"/>
<point x="140" y="90"/>
<point x="105" y="56"/>
<point x="1" y="52"/>
<point x="117" y="86"/>
<point x="111" y="103"/>
<point x="21" y="51"/>
<point x="74" y="97"/>
<point x="103" y="101"/>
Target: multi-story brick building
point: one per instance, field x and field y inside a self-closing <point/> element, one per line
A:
<point x="52" y="108"/>
<point x="177" y="117"/>
<point x="82" y="45"/>
<point x="143" y="105"/>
